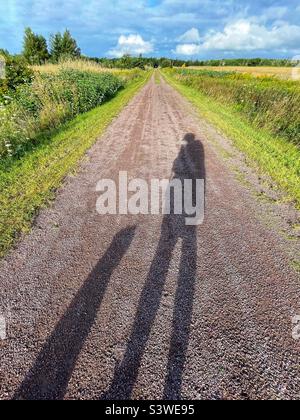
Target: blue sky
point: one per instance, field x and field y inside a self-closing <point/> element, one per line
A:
<point x="174" y="28"/>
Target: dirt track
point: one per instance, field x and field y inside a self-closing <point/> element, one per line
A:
<point x="104" y="307"/>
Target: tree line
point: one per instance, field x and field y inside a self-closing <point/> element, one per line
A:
<point x="246" y="62"/>
<point x="36" y="50"/>
<point x="130" y="62"/>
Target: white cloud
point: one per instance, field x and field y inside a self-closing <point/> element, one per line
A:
<point x="188" y="49"/>
<point x="251" y="36"/>
<point x="246" y="35"/>
<point x="97" y="24"/>
<point x="191" y="36"/>
<point x="131" y="44"/>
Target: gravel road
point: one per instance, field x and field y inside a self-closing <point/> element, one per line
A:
<point x="144" y="307"/>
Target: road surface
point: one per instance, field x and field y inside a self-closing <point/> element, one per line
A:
<point x="144" y="307"/>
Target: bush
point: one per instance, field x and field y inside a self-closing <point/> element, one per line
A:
<point x="49" y="101"/>
<point x="267" y="102"/>
<point x="17" y="73"/>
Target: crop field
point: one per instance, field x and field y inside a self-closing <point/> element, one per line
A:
<point x="285" y="73"/>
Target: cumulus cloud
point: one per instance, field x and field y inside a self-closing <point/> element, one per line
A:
<point x="97" y="24"/>
<point x="190" y="37"/>
<point x="189" y="43"/>
<point x="246" y="35"/>
<point x="251" y="36"/>
<point x="188" y="49"/>
<point x="131" y="44"/>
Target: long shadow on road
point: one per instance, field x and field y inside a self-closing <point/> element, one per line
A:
<point x="190" y="164"/>
<point x="49" y="377"/>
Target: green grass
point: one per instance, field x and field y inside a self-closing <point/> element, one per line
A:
<point x="29" y="183"/>
<point x="296" y="265"/>
<point x="48" y="102"/>
<point x="266" y="102"/>
<point x="273" y="155"/>
<point x="157" y="77"/>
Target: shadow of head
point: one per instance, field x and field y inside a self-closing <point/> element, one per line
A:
<point x="190" y="162"/>
<point x="189" y="138"/>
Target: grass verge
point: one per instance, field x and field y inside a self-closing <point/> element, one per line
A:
<point x="29" y="183"/>
<point x="274" y="156"/>
<point x="157" y="77"/>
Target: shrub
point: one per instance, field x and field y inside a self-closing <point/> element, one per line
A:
<point x="17" y="72"/>
<point x="50" y="100"/>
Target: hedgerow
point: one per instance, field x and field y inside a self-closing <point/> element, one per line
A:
<point x="49" y="101"/>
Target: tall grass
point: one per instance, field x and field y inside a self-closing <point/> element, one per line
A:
<point x="267" y="102"/>
<point x="49" y="101"/>
<point x="86" y="66"/>
<point x="81" y="65"/>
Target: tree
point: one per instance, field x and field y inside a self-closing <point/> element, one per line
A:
<point x="56" y="47"/>
<point x="35" y="49"/>
<point x="4" y="53"/>
<point x="166" y="63"/>
<point x="69" y="45"/>
<point x="63" y="46"/>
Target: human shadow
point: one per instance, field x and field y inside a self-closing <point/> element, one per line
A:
<point x="49" y="377"/>
<point x="190" y="164"/>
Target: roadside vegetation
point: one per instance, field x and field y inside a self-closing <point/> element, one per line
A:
<point x="54" y="104"/>
<point x="48" y="102"/>
<point x="267" y="102"/>
<point x="261" y="116"/>
<point x="28" y="180"/>
<point x="86" y="65"/>
<point x="157" y="77"/>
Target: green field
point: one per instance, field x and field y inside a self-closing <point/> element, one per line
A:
<point x="250" y="129"/>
